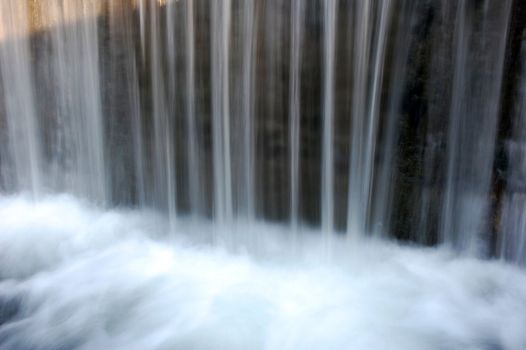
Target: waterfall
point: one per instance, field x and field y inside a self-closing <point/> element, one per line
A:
<point x="365" y="111"/>
<point x="21" y="116"/>
<point x="361" y="43"/>
<point x="163" y="123"/>
<point x="360" y="118"/>
<point x="381" y="209"/>
<point x="512" y="239"/>
<point x="221" y="111"/>
<point x="262" y="174"/>
<point x="328" y="120"/>
<point x="298" y="9"/>
<point x="194" y="177"/>
<point x="474" y="110"/>
<point x="121" y="100"/>
<point x="76" y="65"/>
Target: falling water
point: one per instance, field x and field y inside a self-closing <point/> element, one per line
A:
<point x="328" y="120"/>
<point x="207" y="174"/>
<point x="381" y="211"/>
<point x="365" y="111"/>
<point x="371" y="118"/>
<point x="163" y="123"/>
<point x="374" y="105"/>
<point x="512" y="240"/>
<point x="22" y="122"/>
<point x="142" y="25"/>
<point x="221" y="111"/>
<point x="248" y="91"/>
<point x="194" y="177"/>
<point x="298" y="8"/>
<point x="360" y="49"/>
<point x="473" y="115"/>
<point x="75" y="136"/>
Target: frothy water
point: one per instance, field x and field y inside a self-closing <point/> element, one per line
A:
<point x="76" y="277"/>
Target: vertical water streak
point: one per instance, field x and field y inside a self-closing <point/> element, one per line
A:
<point x="134" y="96"/>
<point x="164" y="162"/>
<point x="438" y="86"/>
<point x="194" y="176"/>
<point x="512" y="236"/>
<point x="16" y="75"/>
<point x="74" y="60"/>
<point x="473" y="120"/>
<point x="121" y="105"/>
<point x="216" y="112"/>
<point x="169" y="109"/>
<point x="361" y="52"/>
<point x="137" y="135"/>
<point x="170" y="53"/>
<point x="297" y="22"/>
<point x="366" y="98"/>
<point x="225" y="49"/>
<point x="329" y="11"/>
<point x="221" y="110"/>
<point x="512" y="239"/>
<point x="91" y="103"/>
<point x="142" y="27"/>
<point x="374" y="106"/>
<point x="455" y="117"/>
<point x="398" y="77"/>
<point x="248" y="87"/>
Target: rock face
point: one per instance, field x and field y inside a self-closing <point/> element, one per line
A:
<point x="441" y="98"/>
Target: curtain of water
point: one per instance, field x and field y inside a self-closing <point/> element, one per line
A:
<point x="473" y="115"/>
<point x="221" y="110"/>
<point x="368" y="47"/>
<point x="137" y="130"/>
<point x="122" y="108"/>
<point x="297" y="23"/>
<point x="386" y="174"/>
<point x="163" y="123"/>
<point x="142" y="25"/>
<point x="327" y="205"/>
<point x="248" y="91"/>
<point x="374" y="105"/>
<point x="237" y="105"/>
<point x="361" y="52"/>
<point x="512" y="235"/>
<point x="17" y="86"/>
<point x="272" y="72"/>
<point x="194" y="174"/>
<point x="79" y="145"/>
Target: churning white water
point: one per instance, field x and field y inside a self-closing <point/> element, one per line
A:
<point x="76" y="277"/>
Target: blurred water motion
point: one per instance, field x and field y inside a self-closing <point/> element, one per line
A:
<point x="230" y="174"/>
<point x="98" y="279"/>
<point x="386" y="118"/>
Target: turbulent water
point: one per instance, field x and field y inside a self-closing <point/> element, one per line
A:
<point x="75" y="277"/>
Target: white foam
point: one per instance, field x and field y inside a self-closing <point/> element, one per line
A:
<point x="81" y="278"/>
